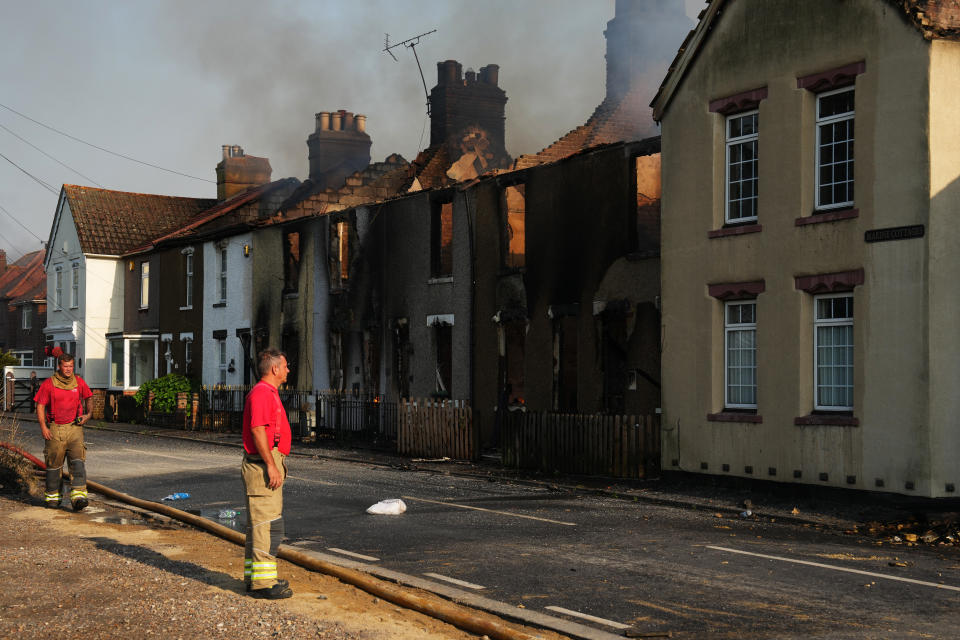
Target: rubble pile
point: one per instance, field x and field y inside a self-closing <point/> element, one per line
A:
<point x="942" y="530"/>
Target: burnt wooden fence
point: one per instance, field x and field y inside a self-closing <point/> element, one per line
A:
<point x="616" y="446"/>
<point x="356" y="415"/>
<point x="436" y="428"/>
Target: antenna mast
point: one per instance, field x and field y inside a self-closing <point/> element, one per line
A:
<point x="410" y="43"/>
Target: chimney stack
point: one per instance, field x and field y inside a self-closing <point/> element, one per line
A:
<point x="339" y="146"/>
<point x="467" y="106"/>
<point x="237" y="172"/>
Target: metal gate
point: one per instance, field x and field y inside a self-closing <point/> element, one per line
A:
<point x="19" y="387"/>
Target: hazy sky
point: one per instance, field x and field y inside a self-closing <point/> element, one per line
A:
<point x="169" y="81"/>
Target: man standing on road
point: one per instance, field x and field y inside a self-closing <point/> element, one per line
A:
<point x="266" y="442"/>
<point x="68" y="399"/>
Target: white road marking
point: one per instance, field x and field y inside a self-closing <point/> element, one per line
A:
<point x="353" y="555"/>
<point x="836" y="568"/>
<point x="323" y="482"/>
<point x="462" y="583"/>
<point x="503" y="513"/>
<point x="587" y="616"/>
<point x="183" y="458"/>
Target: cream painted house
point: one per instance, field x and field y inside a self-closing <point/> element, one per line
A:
<point x="811" y="188"/>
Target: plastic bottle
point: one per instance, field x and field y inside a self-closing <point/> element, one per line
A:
<point x="177" y="496"/>
<point x="227" y="514"/>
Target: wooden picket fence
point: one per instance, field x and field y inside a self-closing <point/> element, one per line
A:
<point x="437" y="429"/>
<point x="615" y="446"/>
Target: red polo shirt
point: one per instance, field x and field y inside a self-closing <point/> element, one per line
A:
<point x="263" y="407"/>
<point x="62" y="406"/>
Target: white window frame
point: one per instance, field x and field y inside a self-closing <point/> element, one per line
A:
<point x="26" y="317"/>
<point x="829" y="121"/>
<point x="125" y="365"/>
<point x="222" y="279"/>
<point x="222" y="360"/>
<point x="25" y="357"/>
<point x="145" y="284"/>
<point x="75" y="286"/>
<point x="188" y="278"/>
<point x="730" y="328"/>
<point x="831" y="322"/>
<point x="58" y="287"/>
<point x="739" y="141"/>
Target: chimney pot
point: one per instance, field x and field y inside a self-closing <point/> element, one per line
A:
<point x="361" y="122"/>
<point x="490" y="74"/>
<point x="323" y="121"/>
<point x="226" y="151"/>
<point x="347" y="121"/>
<point x="237" y="151"/>
<point x="336" y="121"/>
<point x="471" y="76"/>
<point x="449" y="72"/>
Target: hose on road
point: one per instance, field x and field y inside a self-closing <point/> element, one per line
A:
<point x="472" y="621"/>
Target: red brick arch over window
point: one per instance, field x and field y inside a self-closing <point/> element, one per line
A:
<point x="739" y="102"/>
<point x="737" y="290"/>
<point x="833" y="79"/>
<point x="830" y="282"/>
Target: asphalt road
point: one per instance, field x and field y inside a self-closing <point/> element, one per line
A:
<point x="626" y="564"/>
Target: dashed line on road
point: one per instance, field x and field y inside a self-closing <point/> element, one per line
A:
<point x="502" y="513"/>
<point x="353" y="555"/>
<point x="587" y="616"/>
<point x="836" y="568"/>
<point x="462" y="583"/>
<point x="325" y="483"/>
<point x="182" y="458"/>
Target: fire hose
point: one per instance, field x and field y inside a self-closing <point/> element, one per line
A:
<point x="471" y="621"/>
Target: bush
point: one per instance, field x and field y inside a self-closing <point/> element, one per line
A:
<point x="165" y="392"/>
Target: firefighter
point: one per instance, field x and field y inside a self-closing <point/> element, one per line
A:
<point x="266" y="443"/>
<point x="63" y="407"/>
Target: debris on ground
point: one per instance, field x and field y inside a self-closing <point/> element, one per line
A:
<point x="942" y="529"/>
<point x="391" y="507"/>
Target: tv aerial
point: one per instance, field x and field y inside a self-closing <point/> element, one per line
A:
<point x="410" y="43"/>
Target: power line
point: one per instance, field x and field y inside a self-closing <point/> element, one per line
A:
<point x="38" y="180"/>
<point x="12" y="217"/>
<point x="90" y="144"/>
<point x="11" y="244"/>
<point x="51" y="157"/>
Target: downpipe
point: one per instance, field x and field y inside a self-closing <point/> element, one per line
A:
<point x="441" y="610"/>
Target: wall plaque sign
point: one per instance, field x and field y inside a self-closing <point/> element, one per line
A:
<point x="894" y="233"/>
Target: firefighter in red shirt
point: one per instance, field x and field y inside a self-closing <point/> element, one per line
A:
<point x="68" y="399"/>
<point x="266" y="442"/>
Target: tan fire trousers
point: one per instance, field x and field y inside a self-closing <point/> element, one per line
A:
<point x="66" y="442"/>
<point x="264" y="521"/>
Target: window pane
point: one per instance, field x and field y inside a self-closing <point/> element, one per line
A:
<point x="141" y="362"/>
<point x="116" y="363"/>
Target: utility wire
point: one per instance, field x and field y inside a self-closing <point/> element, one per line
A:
<point x="38" y="180"/>
<point x="12" y="217"/>
<point x="11" y="244"/>
<point x="90" y="144"/>
<point x="88" y="179"/>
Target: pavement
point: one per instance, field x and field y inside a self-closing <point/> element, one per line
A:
<point x="727" y="497"/>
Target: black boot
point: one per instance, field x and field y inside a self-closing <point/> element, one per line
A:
<point x="278" y="591"/>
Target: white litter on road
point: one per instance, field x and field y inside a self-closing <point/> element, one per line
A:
<point x="391" y="507"/>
